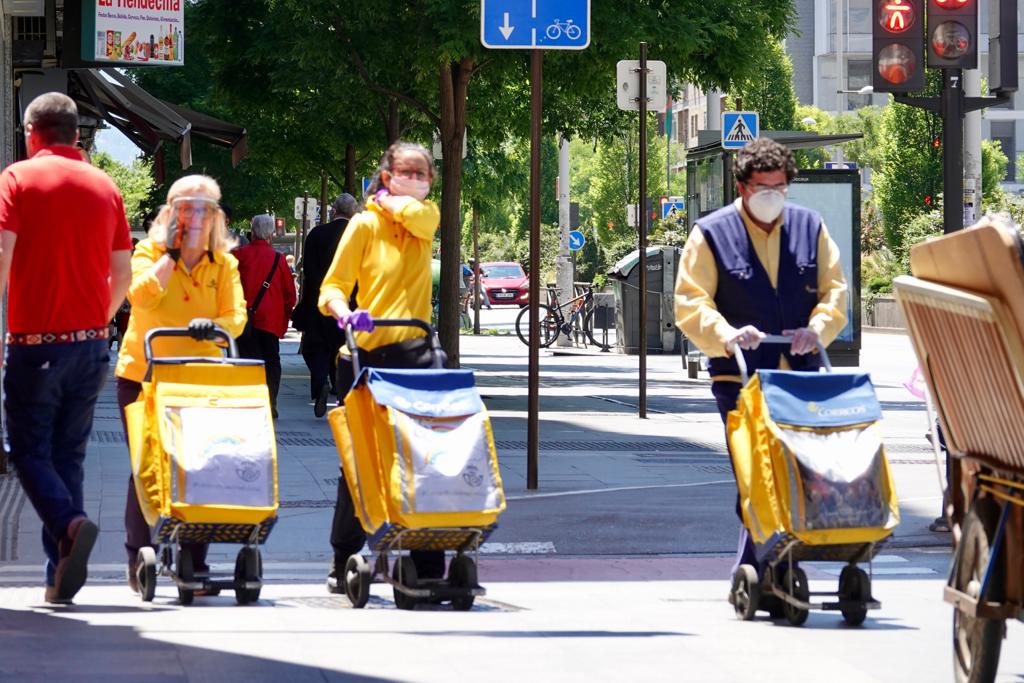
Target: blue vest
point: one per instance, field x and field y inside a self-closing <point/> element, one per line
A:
<point x="745" y="295"/>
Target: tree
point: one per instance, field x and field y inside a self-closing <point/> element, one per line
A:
<point x="768" y="89"/>
<point x="134" y="181"/>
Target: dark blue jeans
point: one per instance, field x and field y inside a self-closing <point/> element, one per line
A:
<point x="50" y="392"/>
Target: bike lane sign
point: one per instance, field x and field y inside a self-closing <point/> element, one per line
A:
<point x="541" y="24"/>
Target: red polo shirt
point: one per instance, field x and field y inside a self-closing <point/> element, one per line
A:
<point x="69" y="217"/>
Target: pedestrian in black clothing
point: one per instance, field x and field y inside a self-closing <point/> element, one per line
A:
<point x="321" y="337"/>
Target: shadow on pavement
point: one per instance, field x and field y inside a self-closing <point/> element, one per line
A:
<point x="549" y="634"/>
<point x="37" y="646"/>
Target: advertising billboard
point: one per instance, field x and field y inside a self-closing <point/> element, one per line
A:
<point x="134" y="32"/>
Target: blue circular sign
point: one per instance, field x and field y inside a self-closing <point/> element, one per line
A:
<point x="576" y="240"/>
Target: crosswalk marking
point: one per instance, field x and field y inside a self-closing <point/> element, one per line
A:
<point x="883" y="565"/>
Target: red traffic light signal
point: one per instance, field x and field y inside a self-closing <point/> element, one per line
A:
<point x="953" y="34"/>
<point x="898" y="45"/>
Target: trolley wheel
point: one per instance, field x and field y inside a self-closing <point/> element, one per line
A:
<point x="977" y="641"/>
<point x="248" y="567"/>
<point x="854" y="586"/>
<point x="146" y="573"/>
<point x="462" y="574"/>
<point x="746" y="592"/>
<point x="405" y="574"/>
<point x="357" y="580"/>
<point x="184" y="568"/>
<point x="800" y="590"/>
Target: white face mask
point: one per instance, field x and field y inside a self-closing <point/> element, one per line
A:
<point x="766" y="205"/>
<point x="409" y="187"/>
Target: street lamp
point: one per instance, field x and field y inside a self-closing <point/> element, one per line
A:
<point x="809" y="121"/>
<point x="866" y="90"/>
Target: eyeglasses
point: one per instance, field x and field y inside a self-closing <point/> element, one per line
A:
<point x="783" y="188"/>
<point x="201" y="210"/>
<point x="411" y="175"/>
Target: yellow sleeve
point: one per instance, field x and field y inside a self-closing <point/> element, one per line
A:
<point x="419" y="218"/>
<point x="145" y="291"/>
<point x="828" y="318"/>
<point x="231" y="313"/>
<point x="696" y="313"/>
<point x="344" y="271"/>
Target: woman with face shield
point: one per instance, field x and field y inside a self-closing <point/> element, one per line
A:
<point x="182" y="276"/>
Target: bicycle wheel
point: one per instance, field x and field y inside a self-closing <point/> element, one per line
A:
<point x="548" y="325"/>
<point x="602" y="339"/>
<point x="554" y="32"/>
<point x="573" y="32"/>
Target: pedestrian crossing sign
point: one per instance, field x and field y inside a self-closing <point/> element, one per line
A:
<point x="739" y="128"/>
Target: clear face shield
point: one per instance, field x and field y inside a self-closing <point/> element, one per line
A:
<point x="191" y="221"/>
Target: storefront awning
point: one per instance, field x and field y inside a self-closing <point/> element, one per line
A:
<point x="146" y="120"/>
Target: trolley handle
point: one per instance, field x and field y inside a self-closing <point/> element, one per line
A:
<point x="435" y="343"/>
<point x="231" y="351"/>
<point x="775" y="339"/>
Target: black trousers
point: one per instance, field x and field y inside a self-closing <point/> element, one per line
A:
<point x="347" y="535"/>
<point x="264" y="346"/>
<point x="323" y="366"/>
<point x="726" y="395"/>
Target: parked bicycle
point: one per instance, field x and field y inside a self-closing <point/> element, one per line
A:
<point x="577" y="323"/>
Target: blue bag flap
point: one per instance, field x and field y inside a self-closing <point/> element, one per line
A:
<point x="812" y="399"/>
<point x="433" y="393"/>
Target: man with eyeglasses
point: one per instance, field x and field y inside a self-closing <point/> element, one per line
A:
<point x="756" y="267"/>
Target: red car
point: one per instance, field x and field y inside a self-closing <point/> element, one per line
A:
<point x="503" y="282"/>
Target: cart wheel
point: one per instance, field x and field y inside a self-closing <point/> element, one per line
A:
<point x="977" y="641"/>
<point x="146" y="573"/>
<point x="405" y="574"/>
<point x="854" y="586"/>
<point x="185" y="572"/>
<point x="357" y="580"/>
<point x="796" y="615"/>
<point x="746" y="592"/>
<point x="248" y="567"/>
<point x="462" y="574"/>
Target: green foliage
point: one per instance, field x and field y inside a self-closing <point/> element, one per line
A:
<point x="910" y="167"/>
<point x="768" y="88"/>
<point x="918" y="229"/>
<point x="993" y="171"/>
<point x="134" y="181"/>
<point x="864" y="151"/>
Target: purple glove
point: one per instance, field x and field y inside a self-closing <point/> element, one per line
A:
<point x="360" y="321"/>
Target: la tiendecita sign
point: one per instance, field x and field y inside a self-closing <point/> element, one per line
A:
<point x="134" y="32"/>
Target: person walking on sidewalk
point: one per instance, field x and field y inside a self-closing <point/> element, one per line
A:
<point x="64" y="246"/>
<point x="182" y="275"/>
<point x="270" y="290"/>
<point x="756" y="267"/>
<point x="386" y="249"/>
<point x="321" y="337"/>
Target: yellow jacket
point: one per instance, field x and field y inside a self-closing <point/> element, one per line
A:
<point x="389" y="256"/>
<point x="698" y="317"/>
<point x="212" y="290"/>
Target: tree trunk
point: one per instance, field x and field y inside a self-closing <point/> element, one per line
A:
<point x="454" y="83"/>
<point x="350" y="169"/>
<point x="393" y="124"/>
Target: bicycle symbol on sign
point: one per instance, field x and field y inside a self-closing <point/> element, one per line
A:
<point x="571" y="30"/>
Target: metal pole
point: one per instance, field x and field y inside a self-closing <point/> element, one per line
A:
<point x="300" y="234"/>
<point x="668" y="153"/>
<point x="972" y="151"/>
<point x="533" y="402"/>
<point x="563" y="267"/>
<point x="952" y="150"/>
<point x="642" y="210"/>
<point x="476" y="271"/>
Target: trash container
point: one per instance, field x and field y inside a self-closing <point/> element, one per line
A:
<point x="662" y="267"/>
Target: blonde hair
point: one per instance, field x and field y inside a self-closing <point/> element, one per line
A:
<point x="220" y="239"/>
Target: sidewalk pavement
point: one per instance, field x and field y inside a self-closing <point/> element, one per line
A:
<point x="592" y="442"/>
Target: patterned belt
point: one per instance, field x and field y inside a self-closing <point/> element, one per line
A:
<point x="35" y="339"/>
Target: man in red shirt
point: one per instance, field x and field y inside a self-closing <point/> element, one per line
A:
<point x="65" y="246"/>
<point x="256" y="267"/>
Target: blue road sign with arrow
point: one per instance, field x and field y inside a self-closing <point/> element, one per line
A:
<point x="576" y="240"/>
<point x="542" y="24"/>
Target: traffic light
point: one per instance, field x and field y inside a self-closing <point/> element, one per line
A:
<point x="279" y="226"/>
<point x="898" y="45"/>
<point x="1002" y="46"/>
<point x="953" y="34"/>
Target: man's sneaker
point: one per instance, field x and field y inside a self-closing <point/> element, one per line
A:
<point x="50" y="595"/>
<point x="74" y="548"/>
<point x="335" y="582"/>
<point x="320" y="407"/>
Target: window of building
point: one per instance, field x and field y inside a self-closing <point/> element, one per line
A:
<point x="858" y="74"/>
<point x="693" y="124"/>
<point x="1005" y="133"/>
<point x="858" y="14"/>
<point x="684" y="128"/>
